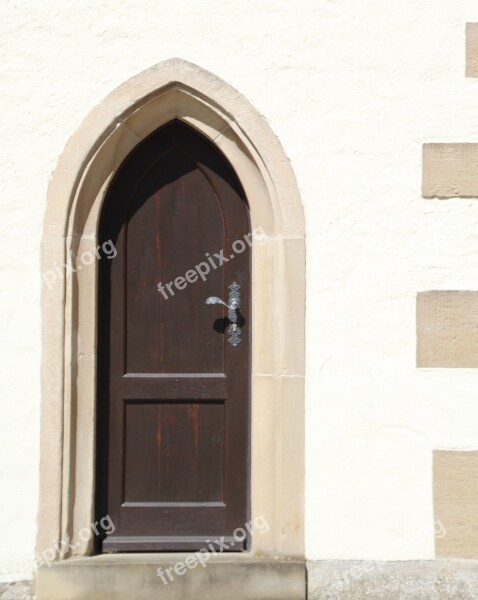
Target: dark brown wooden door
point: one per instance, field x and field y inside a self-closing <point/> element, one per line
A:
<point x="173" y="393"/>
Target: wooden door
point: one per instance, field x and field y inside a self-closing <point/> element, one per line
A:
<point x="173" y="393"/>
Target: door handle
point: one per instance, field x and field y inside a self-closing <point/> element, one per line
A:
<point x="233" y="305"/>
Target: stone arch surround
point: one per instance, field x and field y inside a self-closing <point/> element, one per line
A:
<point x="173" y="89"/>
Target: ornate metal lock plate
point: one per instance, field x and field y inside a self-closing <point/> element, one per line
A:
<point x="233" y="306"/>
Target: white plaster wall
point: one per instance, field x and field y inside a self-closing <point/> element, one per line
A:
<point x="352" y="88"/>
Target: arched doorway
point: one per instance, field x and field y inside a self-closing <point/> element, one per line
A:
<point x="173" y="90"/>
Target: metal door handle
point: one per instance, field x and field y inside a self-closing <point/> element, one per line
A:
<point x="233" y="306"/>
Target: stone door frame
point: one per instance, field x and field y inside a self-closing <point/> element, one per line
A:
<point x="172" y="89"/>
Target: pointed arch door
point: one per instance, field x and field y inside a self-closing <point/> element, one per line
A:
<point x="173" y="390"/>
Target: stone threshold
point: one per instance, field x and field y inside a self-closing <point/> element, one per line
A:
<point x="136" y="577"/>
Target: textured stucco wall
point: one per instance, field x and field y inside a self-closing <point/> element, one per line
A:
<point x="352" y="88"/>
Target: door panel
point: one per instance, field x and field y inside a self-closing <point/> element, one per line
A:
<point x="179" y="221"/>
<point x="172" y="429"/>
<point x="173" y="394"/>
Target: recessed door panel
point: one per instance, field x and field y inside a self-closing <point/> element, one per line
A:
<point x="169" y="231"/>
<point x="174" y="452"/>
